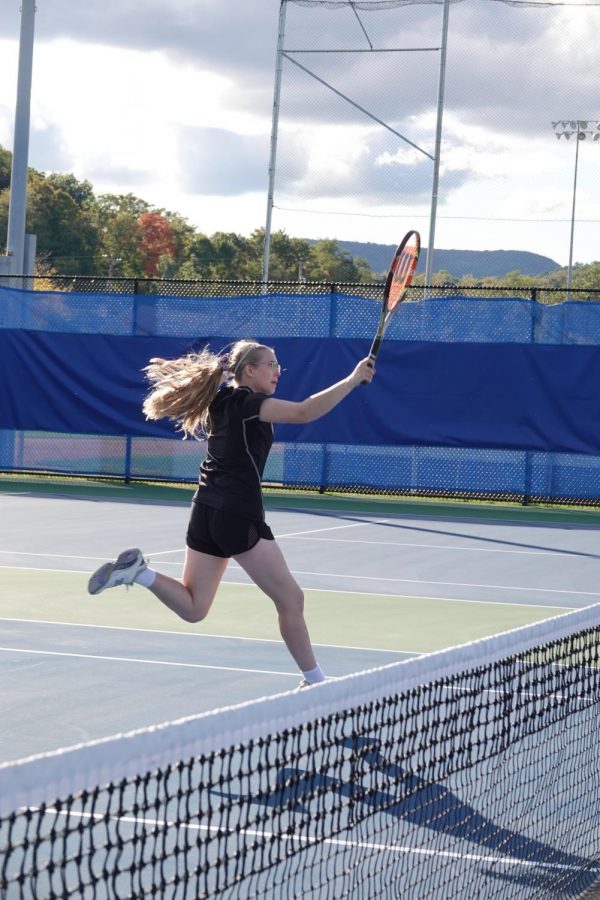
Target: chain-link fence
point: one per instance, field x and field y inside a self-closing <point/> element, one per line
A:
<point x="531" y="437"/>
<point x="164" y="287"/>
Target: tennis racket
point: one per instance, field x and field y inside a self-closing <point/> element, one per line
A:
<point x="402" y="271"/>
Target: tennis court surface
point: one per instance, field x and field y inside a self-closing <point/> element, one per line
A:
<point x="463" y="764"/>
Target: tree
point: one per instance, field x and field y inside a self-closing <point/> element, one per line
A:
<point x="443" y="278"/>
<point x="110" y="204"/>
<point x="176" y="266"/>
<point x="363" y="270"/>
<point x="5" y="168"/>
<point x="121" y="245"/>
<point x="116" y="219"/>
<point x="156" y="240"/>
<point x="66" y="235"/>
<point x="287" y="257"/>
<point x="4" y="204"/>
<point x="327" y="262"/>
<point x="587" y="277"/>
<point x="201" y="257"/>
<point x="232" y="256"/>
<point x="81" y="192"/>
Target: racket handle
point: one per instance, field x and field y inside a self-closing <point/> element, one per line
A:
<point x="372" y="357"/>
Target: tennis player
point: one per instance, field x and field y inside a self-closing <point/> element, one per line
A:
<point x="230" y="399"/>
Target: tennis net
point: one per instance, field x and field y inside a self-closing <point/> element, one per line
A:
<point x="468" y="772"/>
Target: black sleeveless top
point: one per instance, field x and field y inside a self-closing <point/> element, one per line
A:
<point x="238" y="447"/>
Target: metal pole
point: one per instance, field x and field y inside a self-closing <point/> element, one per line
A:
<point x="438" y="145"/>
<point x="15" y="242"/>
<point x="580" y="129"/>
<point x="578" y="137"/>
<point x="274" y="130"/>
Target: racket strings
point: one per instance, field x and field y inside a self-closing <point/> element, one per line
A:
<point x="403" y="271"/>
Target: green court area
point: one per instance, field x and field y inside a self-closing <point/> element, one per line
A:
<point x="376" y="621"/>
<point x="342" y="618"/>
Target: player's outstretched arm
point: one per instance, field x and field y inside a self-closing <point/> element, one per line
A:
<point x="289" y="412"/>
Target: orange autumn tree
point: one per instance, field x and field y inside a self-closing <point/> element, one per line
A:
<point x="157" y="240"/>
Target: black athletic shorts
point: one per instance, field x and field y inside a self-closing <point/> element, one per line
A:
<point x="221" y="533"/>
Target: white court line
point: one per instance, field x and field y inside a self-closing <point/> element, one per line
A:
<point x="572" y="553"/>
<point x="155" y="553"/>
<point x="312" y="840"/>
<point x="321" y="530"/>
<point x="150" y="662"/>
<point x="72" y="556"/>
<point x="351" y="593"/>
<point x="47" y="569"/>
<point x="494" y="587"/>
<point x="307" y="536"/>
<point x="202" y="634"/>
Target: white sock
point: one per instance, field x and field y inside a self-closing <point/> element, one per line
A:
<point x="146" y="577"/>
<point x="314" y="676"/>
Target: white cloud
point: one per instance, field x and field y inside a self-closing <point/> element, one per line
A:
<point x="217" y="161"/>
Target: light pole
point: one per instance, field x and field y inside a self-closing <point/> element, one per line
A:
<point x="17" y="210"/>
<point x="581" y="130"/>
<point x="438" y="145"/>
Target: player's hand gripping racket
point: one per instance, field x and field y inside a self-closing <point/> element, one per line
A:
<point x="402" y="271"/>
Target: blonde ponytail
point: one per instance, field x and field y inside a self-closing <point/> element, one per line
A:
<point x="183" y="389"/>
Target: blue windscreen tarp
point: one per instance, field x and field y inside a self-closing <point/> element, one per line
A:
<point x="489" y="395"/>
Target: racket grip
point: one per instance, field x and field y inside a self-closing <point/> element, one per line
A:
<point x="372" y="358"/>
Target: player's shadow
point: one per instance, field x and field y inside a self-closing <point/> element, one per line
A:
<point x="504" y="854"/>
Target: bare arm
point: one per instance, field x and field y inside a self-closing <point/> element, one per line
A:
<point x="288" y="412"/>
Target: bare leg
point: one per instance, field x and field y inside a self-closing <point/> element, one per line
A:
<point x="266" y="566"/>
<point x="192" y="597"/>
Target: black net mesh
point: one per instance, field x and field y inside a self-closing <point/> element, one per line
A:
<point x="477" y="781"/>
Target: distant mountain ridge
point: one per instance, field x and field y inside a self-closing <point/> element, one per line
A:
<point x="479" y="263"/>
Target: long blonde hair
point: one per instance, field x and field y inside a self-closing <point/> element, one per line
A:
<point x="183" y="389"/>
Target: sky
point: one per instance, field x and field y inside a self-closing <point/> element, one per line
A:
<point x="174" y="102"/>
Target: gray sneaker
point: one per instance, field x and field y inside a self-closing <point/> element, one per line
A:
<point x="124" y="570"/>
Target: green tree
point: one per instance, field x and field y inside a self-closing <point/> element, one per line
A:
<point x="328" y="263"/>
<point x="66" y="235"/>
<point x="232" y="256"/>
<point x="443" y="278"/>
<point x="58" y="214"/>
<point x="587" y="277"/>
<point x="363" y="270"/>
<point x="5" y="168"/>
<point x="287" y="256"/>
<point x="81" y="192"/>
<point x="116" y="219"/>
<point x="111" y="204"/>
<point x="201" y="256"/>
<point x="177" y="265"/>
<point x="557" y="279"/>
<point x="121" y="246"/>
<point x="4" y="204"/>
